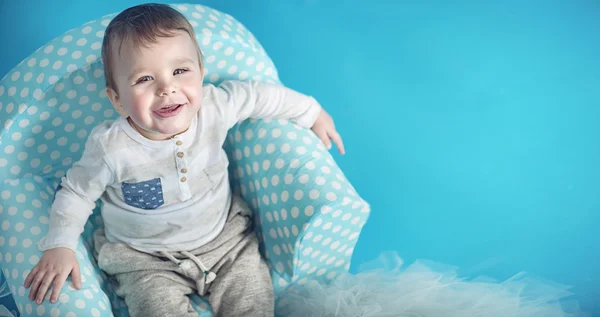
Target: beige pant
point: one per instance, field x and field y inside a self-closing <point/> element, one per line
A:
<point x="154" y="285"/>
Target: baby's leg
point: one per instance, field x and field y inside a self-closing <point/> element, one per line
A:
<point x="243" y="286"/>
<point x="151" y="286"/>
<point x="155" y="294"/>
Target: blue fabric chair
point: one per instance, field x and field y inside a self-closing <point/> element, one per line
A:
<point x="307" y="214"/>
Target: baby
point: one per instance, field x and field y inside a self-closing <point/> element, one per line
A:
<point x="172" y="225"/>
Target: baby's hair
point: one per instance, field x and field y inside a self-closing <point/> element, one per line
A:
<point x="141" y="25"/>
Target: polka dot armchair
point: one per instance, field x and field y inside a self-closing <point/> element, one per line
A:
<point x="307" y="215"/>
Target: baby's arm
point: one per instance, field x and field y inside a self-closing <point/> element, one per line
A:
<point x="238" y="101"/>
<point x="81" y="187"/>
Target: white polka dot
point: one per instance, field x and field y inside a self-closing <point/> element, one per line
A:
<point x="31" y="62"/>
<point x="9" y="149"/>
<point x="35" y="230"/>
<point x="80" y="304"/>
<point x="314" y="194"/>
<point x="81" y="41"/>
<point x="44" y="62"/>
<point x="26" y="244"/>
<point x="331" y="196"/>
<point x="243" y="75"/>
<point x="309" y="211"/>
<point x="62" y="141"/>
<point x="260" y="66"/>
<point x="284" y="196"/>
<point x="63" y="298"/>
<point x="96" y="46"/>
<point x="15" y="76"/>
<point x="35" y="162"/>
<point x="303" y="179"/>
<point x="250" y="60"/>
<point x="56" y="122"/>
<point x="288" y="178"/>
<point x="55" y="312"/>
<point x="78" y="80"/>
<point x="22" y="108"/>
<point x="275" y="180"/>
<point x="91" y="58"/>
<point x="41" y="310"/>
<point x="95" y="312"/>
<point x="53" y="79"/>
<point x="57" y="65"/>
<point x="15" y="170"/>
<point x="34" y="259"/>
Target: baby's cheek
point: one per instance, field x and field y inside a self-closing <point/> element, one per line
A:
<point x="194" y="95"/>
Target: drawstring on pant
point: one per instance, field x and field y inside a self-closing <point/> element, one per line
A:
<point x="208" y="275"/>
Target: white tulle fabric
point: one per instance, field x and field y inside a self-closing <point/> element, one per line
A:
<point x="384" y="288"/>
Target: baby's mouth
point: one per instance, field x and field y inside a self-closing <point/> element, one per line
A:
<point x="169" y="110"/>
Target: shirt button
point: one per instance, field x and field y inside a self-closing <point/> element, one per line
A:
<point x="183" y="179"/>
<point x="184" y="170"/>
<point x="180" y="154"/>
<point x="179" y="142"/>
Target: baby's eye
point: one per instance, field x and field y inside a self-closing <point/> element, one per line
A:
<point x="179" y="71"/>
<point x="142" y="79"/>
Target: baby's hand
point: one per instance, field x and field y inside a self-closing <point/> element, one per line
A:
<point x="325" y="130"/>
<point x="53" y="269"/>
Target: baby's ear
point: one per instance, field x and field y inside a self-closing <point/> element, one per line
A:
<point x="116" y="102"/>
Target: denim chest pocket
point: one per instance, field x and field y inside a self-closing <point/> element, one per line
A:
<point x="145" y="195"/>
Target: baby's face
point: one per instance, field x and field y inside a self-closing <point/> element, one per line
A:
<point x="159" y="86"/>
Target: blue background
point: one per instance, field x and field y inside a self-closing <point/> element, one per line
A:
<point x="472" y="127"/>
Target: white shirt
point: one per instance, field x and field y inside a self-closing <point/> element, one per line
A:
<point x="168" y="195"/>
